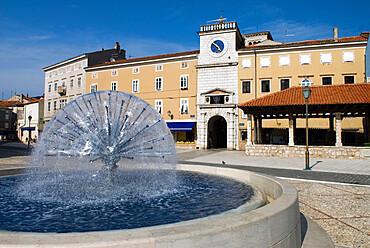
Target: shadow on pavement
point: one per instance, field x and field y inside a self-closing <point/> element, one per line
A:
<point x="13" y="148"/>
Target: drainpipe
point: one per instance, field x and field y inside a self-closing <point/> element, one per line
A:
<point x="255" y="93"/>
<point x="255" y="74"/>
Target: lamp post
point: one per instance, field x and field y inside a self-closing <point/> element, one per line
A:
<point x="29" y="131"/>
<point x="306" y="93"/>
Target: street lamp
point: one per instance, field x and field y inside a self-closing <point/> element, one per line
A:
<point x="29" y="131"/>
<point x="306" y="93"/>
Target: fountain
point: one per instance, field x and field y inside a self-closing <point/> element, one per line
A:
<point x="104" y="173"/>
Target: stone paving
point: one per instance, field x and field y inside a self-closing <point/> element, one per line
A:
<point x="343" y="210"/>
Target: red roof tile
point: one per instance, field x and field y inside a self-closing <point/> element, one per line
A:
<point x="320" y="95"/>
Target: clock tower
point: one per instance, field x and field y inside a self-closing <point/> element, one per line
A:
<point x="217" y="92"/>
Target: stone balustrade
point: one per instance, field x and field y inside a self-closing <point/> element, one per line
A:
<point x="218" y="26"/>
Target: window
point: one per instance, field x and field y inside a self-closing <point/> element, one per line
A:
<point x="55" y="105"/>
<point x="244" y="116"/>
<point x="6" y="116"/>
<point x="246" y="87"/>
<point x="265" y="85"/>
<point x="79" y="82"/>
<point x="95" y="75"/>
<point x="6" y="125"/>
<point x="114" y="85"/>
<point x="184" y="82"/>
<point x="348" y="56"/>
<point x="158" y="83"/>
<point x="284" y="83"/>
<point x="327" y="80"/>
<point x="349" y="79"/>
<point x="135" y="85"/>
<point x="71" y="83"/>
<point x="114" y="73"/>
<point x="158" y="106"/>
<point x="325" y="58"/>
<point x="49" y="88"/>
<point x="55" y="86"/>
<point x="184" y="105"/>
<point x="284" y="60"/>
<point x="94" y="88"/>
<point x="49" y="106"/>
<point x="135" y="70"/>
<point x="305" y="82"/>
<point x="265" y="61"/>
<point x="64" y="83"/>
<point x="158" y="68"/>
<point x="246" y="63"/>
<point x="184" y="65"/>
<point x="62" y="103"/>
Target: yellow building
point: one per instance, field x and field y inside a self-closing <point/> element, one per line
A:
<point x="197" y="92"/>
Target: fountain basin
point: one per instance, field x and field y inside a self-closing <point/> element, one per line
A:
<point x="276" y="224"/>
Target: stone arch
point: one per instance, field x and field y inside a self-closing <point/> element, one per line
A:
<point x="217" y="132"/>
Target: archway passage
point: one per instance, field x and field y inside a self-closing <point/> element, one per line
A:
<point x="217" y="132"/>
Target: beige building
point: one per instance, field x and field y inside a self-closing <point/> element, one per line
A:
<point x="198" y="92"/>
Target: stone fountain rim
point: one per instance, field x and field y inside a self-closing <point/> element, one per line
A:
<point x="286" y="199"/>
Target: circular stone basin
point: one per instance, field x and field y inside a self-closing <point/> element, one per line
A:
<point x="194" y="196"/>
<point x="277" y="224"/>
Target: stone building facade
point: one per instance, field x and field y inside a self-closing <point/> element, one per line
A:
<point x="66" y="80"/>
<point x="197" y="92"/>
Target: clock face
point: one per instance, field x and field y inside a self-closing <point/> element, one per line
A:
<point x="217" y="47"/>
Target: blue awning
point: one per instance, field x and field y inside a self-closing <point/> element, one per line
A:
<point x="28" y="128"/>
<point x="180" y="126"/>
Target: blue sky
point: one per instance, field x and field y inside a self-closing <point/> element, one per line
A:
<point x="35" y="34"/>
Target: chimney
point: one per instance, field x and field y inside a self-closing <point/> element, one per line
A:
<point x="21" y="97"/>
<point x="117" y="46"/>
<point x="335" y="30"/>
<point x="102" y="48"/>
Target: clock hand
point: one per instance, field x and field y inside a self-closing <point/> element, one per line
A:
<point x="218" y="48"/>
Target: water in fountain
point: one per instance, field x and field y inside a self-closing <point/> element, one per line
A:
<point x="91" y="140"/>
<point x="106" y="162"/>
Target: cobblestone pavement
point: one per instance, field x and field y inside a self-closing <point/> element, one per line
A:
<point x="343" y="210"/>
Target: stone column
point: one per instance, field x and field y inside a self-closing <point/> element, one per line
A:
<point x="338" y="129"/>
<point x="230" y="131"/>
<point x="291" y="130"/>
<point x="202" y="132"/>
<point x="366" y="125"/>
<point x="260" y="131"/>
<point x="255" y="129"/>
<point x="249" y="130"/>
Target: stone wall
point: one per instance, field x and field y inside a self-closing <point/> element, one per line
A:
<point x="347" y="152"/>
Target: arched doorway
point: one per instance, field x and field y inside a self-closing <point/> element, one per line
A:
<point x="217" y="132"/>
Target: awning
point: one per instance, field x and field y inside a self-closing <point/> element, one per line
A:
<point x="28" y="128"/>
<point x="180" y="126"/>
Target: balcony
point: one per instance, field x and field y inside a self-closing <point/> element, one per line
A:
<point x="62" y="90"/>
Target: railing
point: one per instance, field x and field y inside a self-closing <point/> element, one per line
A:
<point x="218" y="26"/>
